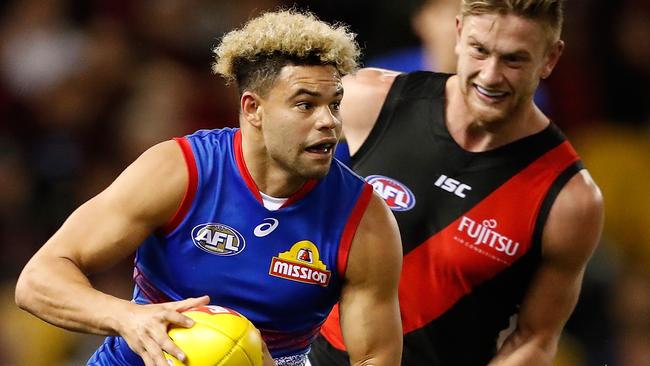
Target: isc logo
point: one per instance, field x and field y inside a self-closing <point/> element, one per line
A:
<point x="397" y="195"/>
<point x="218" y="239"/>
<point x="452" y="185"/>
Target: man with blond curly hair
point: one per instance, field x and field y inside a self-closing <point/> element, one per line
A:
<point x="259" y="219"/>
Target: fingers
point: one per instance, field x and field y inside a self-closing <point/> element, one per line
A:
<point x="148" y="350"/>
<point x="163" y="341"/>
<point x="146" y="329"/>
<point x="153" y="351"/>
<point x="191" y="302"/>
<point x="175" y="318"/>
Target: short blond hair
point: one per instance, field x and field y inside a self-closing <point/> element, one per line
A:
<point x="550" y="12"/>
<point x="254" y="55"/>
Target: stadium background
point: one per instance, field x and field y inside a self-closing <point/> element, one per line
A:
<point x="86" y="86"/>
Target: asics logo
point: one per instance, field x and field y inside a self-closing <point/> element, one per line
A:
<point x="266" y="227"/>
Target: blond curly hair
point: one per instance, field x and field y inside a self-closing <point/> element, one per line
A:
<point x="253" y="55"/>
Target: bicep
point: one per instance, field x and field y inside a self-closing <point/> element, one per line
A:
<point x="369" y="307"/>
<point x="111" y="225"/>
<point x="570" y="236"/>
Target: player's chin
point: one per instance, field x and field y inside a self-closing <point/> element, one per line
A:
<point x="489" y="113"/>
<point x="316" y="171"/>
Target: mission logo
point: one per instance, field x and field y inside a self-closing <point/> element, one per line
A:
<point x="301" y="263"/>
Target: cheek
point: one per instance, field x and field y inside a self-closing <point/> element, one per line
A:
<point x="525" y="82"/>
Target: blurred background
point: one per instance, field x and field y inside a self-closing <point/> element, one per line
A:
<point x="86" y="86"/>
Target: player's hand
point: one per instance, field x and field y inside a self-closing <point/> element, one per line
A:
<point x="144" y="328"/>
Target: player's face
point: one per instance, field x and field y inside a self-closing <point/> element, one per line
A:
<point x="301" y="123"/>
<point x="501" y="59"/>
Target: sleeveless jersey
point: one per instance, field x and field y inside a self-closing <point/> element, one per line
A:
<point x="471" y="223"/>
<point x="281" y="269"/>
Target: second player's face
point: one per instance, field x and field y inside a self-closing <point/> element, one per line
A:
<point x="500" y="61"/>
<point x="302" y="124"/>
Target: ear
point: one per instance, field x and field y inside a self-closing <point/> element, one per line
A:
<point x="251" y="108"/>
<point x="417" y="23"/>
<point x="552" y="57"/>
<point x="459" y="30"/>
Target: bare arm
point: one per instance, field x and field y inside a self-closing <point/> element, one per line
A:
<point x="570" y="237"/>
<point x="365" y="92"/>
<point x="369" y="309"/>
<point x="54" y="284"/>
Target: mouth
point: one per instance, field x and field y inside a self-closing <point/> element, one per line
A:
<point x="490" y="95"/>
<point x="321" y="148"/>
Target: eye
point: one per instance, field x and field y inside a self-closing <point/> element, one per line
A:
<point x="304" y="106"/>
<point x="336" y="106"/>
<point x="479" y="51"/>
<point x="514" y="60"/>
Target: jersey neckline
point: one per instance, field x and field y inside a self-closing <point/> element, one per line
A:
<point x="252" y="186"/>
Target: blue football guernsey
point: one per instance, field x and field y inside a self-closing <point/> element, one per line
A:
<point x="281" y="269"/>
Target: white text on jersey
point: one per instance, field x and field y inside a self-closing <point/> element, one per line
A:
<point x="452" y="185"/>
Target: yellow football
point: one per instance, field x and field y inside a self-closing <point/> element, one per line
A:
<point x="219" y="337"/>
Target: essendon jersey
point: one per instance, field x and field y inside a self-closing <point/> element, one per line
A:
<point x="471" y="223"/>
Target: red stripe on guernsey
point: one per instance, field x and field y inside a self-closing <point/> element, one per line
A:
<point x="478" y="245"/>
<point x="289" y="341"/>
<point x="473" y="248"/>
<point x="150" y="292"/>
<point x="351" y="228"/>
<point x="250" y="183"/>
<point x="331" y="329"/>
<point x="243" y="170"/>
<point x="193" y="180"/>
<point x="306" y="188"/>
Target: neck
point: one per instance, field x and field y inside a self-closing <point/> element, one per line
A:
<point x="475" y="135"/>
<point x="269" y="177"/>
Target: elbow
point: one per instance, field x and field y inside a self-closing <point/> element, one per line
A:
<point x="23" y="295"/>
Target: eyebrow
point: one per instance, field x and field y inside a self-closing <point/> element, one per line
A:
<point x="516" y="53"/>
<point x="339" y="91"/>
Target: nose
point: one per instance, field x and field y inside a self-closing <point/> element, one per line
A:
<point x="327" y="119"/>
<point x="490" y="73"/>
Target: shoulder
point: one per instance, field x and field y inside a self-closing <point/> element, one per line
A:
<point x="150" y="189"/>
<point x="575" y="221"/>
<point x="162" y="159"/>
<point x="370" y="80"/>
<point x="212" y="136"/>
<point x="206" y="144"/>
<point x="363" y="98"/>
<point x="378" y="231"/>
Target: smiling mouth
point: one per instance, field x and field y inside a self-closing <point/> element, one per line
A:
<point x="490" y="93"/>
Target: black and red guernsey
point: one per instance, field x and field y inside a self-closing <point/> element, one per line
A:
<point x="471" y="224"/>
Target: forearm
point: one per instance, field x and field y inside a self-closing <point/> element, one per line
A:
<point x="526" y="350"/>
<point x="55" y="290"/>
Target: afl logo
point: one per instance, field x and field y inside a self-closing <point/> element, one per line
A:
<point x="397" y="195"/>
<point x="218" y="239"/>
